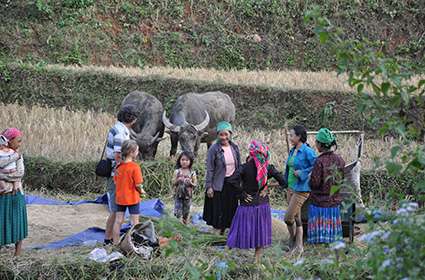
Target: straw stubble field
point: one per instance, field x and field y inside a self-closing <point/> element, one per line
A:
<point x="63" y="135"/>
<point x="328" y="81"/>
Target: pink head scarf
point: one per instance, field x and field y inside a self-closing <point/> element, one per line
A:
<point x="12" y="133"/>
<point x="261" y="155"/>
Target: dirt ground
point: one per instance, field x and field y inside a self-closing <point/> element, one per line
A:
<point x="47" y="223"/>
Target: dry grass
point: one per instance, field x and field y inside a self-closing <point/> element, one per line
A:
<point x="58" y="133"/>
<point x="285" y="79"/>
<point x="327" y="81"/>
<point x="79" y="136"/>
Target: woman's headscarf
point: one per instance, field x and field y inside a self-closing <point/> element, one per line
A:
<point x="223" y="125"/>
<point x="261" y="155"/>
<point x="326" y="137"/>
<point x="12" y="133"/>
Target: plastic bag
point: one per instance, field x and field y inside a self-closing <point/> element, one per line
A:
<point x="141" y="239"/>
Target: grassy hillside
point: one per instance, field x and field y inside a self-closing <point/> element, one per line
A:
<point x="253" y="34"/>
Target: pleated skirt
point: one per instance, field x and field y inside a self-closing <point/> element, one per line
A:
<point x="251" y="227"/>
<point x="324" y="224"/>
<point x="13" y="218"/>
<point x="220" y="210"/>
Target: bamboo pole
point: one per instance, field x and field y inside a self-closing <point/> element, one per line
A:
<point x="286" y="137"/>
<point x="334" y="132"/>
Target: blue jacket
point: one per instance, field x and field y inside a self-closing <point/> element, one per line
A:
<point x="216" y="166"/>
<point x="303" y="163"/>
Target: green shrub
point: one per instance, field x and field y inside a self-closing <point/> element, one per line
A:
<point x="216" y="32"/>
<point x="397" y="251"/>
<point x="77" y="4"/>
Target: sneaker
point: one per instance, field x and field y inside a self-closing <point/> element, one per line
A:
<point x="107" y="242"/>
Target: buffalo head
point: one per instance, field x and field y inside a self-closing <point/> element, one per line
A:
<point x="147" y="144"/>
<point x="189" y="135"/>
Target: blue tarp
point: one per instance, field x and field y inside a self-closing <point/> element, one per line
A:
<point x="88" y="237"/>
<point x="148" y="208"/>
<point x="33" y="199"/>
<point x="278" y="214"/>
<point x="202" y="226"/>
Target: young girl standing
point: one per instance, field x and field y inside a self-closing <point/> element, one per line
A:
<point x="183" y="182"/>
<point x="128" y="180"/>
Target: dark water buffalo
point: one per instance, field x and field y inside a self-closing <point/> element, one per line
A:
<point x="194" y="118"/>
<point x="149" y="129"/>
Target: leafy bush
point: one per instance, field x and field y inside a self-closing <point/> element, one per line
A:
<point x="397" y="249"/>
<point x="77" y="4"/>
<point x="217" y="33"/>
<point x="44" y="7"/>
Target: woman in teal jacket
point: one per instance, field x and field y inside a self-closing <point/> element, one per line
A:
<point x="298" y="168"/>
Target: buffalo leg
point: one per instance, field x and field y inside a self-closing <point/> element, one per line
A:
<point x="196" y="148"/>
<point x="174" y="142"/>
<point x="155" y="149"/>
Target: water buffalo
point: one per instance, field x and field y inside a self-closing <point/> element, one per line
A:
<point x="194" y="118"/>
<point x="148" y="129"/>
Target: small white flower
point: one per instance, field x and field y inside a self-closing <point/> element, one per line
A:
<point x="385" y="235"/>
<point x="326" y="261"/>
<point x="411" y="206"/>
<point x="338" y="245"/>
<point x="399" y="262"/>
<point x="385" y="264"/>
<point x="368" y="237"/>
<point x="299" y="262"/>
<point x="402" y="212"/>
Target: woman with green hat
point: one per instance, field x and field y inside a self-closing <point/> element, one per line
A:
<point x="222" y="179"/>
<point x="324" y="217"/>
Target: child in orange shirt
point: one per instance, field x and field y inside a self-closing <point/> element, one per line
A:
<point x="128" y="181"/>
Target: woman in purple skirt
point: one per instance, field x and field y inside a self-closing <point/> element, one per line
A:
<point x="252" y="224"/>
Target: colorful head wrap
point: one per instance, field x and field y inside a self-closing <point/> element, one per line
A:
<point x="325" y="136"/>
<point x="223" y="125"/>
<point x="261" y="155"/>
<point x="12" y="133"/>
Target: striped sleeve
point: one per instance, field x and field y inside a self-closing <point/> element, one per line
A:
<point x="118" y="140"/>
<point x="110" y="144"/>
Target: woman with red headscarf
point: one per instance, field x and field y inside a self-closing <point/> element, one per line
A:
<point x="252" y="224"/>
<point x="13" y="213"/>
